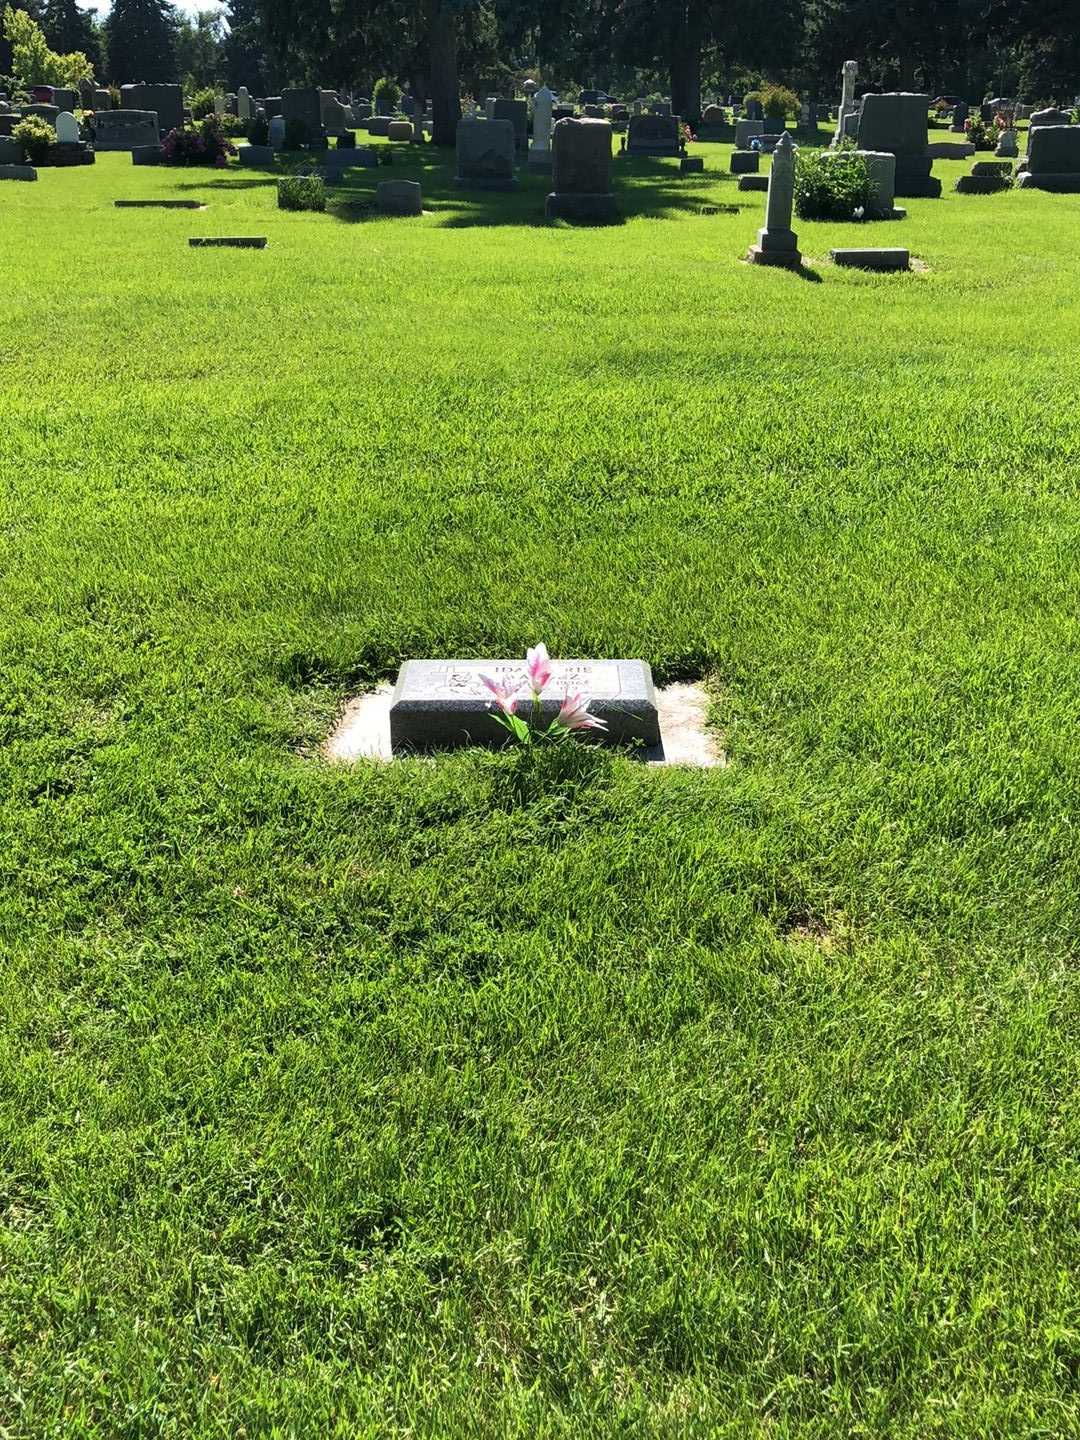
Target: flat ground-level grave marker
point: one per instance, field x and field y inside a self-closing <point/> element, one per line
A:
<point x="441" y="703"/>
<point x="682" y="710"/>
<point x="160" y="204"/>
<point x="237" y="242"/>
<point x="872" y="259"/>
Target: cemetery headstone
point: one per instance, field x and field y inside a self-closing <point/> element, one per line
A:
<point x="1008" y="144"/>
<point x="399" y="130"/>
<point x="102" y="101"/>
<point x="897" y="122"/>
<point x="489" y="107"/>
<point x="777" y="243"/>
<point x="65" y="99"/>
<point x="744" y="162"/>
<point x="441" y="703"/>
<point x="67" y="128"/>
<point x="166" y="101"/>
<point x="485" y="155"/>
<point x="872" y="259"/>
<point x="1053" y="160"/>
<point x="276" y="136"/>
<point x="272" y="106"/>
<point x="959" y="118"/>
<point x="653" y="135"/>
<point x="303" y="107"/>
<point x="848" y="74"/>
<point x="755" y="110"/>
<point x="398" y="197"/>
<point x="540" y="149"/>
<point x="516" y="111"/>
<point x="745" y="131"/>
<point x="581" y="173"/>
<point x="126" y="130"/>
<point x="243" y="103"/>
<point x="17" y="172"/>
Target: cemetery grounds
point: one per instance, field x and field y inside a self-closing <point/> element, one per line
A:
<point x="471" y="1097"/>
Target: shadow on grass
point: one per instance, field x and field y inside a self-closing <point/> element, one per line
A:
<point x="644" y="187"/>
<point x="211" y="183"/>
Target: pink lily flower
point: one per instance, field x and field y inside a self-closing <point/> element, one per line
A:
<point x="574" y="714"/>
<point x="539" y="666"/>
<point x="503" y="692"/>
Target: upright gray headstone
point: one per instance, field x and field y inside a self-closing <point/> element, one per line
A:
<point x="653" y="135"/>
<point x="848" y="75"/>
<point x="125" y="130"/>
<point x="540" y="150"/>
<point x="897" y="122"/>
<point x="581" y="173"/>
<point x="777" y="242"/>
<point x="1053" y="161"/>
<point x="485" y="155"/>
<point x="516" y="112"/>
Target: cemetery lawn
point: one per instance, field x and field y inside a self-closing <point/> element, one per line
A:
<point x="471" y="1098"/>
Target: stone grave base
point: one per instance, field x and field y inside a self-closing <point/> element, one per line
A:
<point x="1063" y="184"/>
<point x="485" y="182"/>
<point x="583" y="209"/>
<point x="982" y="184"/>
<point x="75" y="152"/>
<point x="258" y="157"/>
<point x="776" y="247"/>
<point x="363" y="732"/>
<point x="148" y="155"/>
<point x="914" y="187"/>
<point x="234" y="242"/>
<point x="754" y="182"/>
<point x="17" y="172"/>
<point x="872" y="259"/>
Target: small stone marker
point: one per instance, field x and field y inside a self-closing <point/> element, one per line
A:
<point x="745" y="162"/>
<point x="869" y="259"/>
<point x="159" y="204"/>
<point x="691" y="165"/>
<point x="236" y="242"/>
<point x="442" y="703"/>
<point x="758" y="183"/>
<point x="399" y="130"/>
<point x="982" y="184"/>
<point x="67" y="128"/>
<point x="777" y="242"/>
<point x="1008" y="144"/>
<point x="17" y="172"/>
<point x="398" y="197"/>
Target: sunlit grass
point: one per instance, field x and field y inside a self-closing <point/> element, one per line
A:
<point x="440" y="1100"/>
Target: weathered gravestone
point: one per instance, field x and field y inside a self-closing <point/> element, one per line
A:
<point x="745" y="162"/>
<point x="442" y="703"/>
<point x="1008" y="145"/>
<point x="1053" y="160"/>
<point x="959" y="117"/>
<point x="65" y="99"/>
<point x="540" y="150"/>
<point x="745" y="131"/>
<point x="102" y="101"/>
<point x="398" y="197"/>
<point x="276" y="132"/>
<point x="897" y="122"/>
<point x="47" y="113"/>
<point x="243" y="104"/>
<point x="755" y="110"/>
<point x="67" y="129"/>
<point x="125" y="129"/>
<point x="302" y="109"/>
<point x="848" y="74"/>
<point x="871" y="259"/>
<point x="485" y="155"/>
<point x="777" y="243"/>
<point x="881" y="172"/>
<point x="581" y="173"/>
<point x="166" y="101"/>
<point x="653" y="135"/>
<point x="516" y="111"/>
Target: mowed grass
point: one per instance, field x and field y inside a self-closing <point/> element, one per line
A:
<point x="468" y="1099"/>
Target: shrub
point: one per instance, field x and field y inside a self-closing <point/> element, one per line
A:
<point x="830" y="186"/>
<point x="980" y="133"/>
<point x="35" y="136"/>
<point x="202" y="103"/>
<point x="231" y="125"/>
<point x="204" y="145"/>
<point x="386" y="97"/>
<point x="301" y="192"/>
<point x="779" y="103"/>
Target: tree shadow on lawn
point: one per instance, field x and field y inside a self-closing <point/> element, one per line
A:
<point x="644" y="188"/>
<point x="214" y="184"/>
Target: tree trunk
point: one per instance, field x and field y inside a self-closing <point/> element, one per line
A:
<point x="685" y="64"/>
<point x="445" y="96"/>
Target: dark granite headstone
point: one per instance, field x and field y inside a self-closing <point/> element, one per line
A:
<point x="442" y="703"/>
<point x="653" y="135"/>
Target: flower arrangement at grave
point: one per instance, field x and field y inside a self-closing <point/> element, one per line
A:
<point x="686" y="136"/>
<point x="206" y="144"/>
<point x="529" y="729"/>
<point x="980" y="133"/>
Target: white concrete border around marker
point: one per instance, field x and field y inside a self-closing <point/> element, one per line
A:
<point x="363" y="732"/>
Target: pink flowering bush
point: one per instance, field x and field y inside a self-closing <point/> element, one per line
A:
<point x="573" y="712"/>
<point x="206" y="144"/>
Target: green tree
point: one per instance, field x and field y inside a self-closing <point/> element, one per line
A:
<point x="200" y="49"/>
<point x="141" y="41"/>
<point x="33" y="62"/>
<point x="67" y="27"/>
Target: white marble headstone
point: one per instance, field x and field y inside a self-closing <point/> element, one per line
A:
<point x="67" y="128"/>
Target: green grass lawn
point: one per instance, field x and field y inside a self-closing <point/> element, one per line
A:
<point x="457" y="1099"/>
